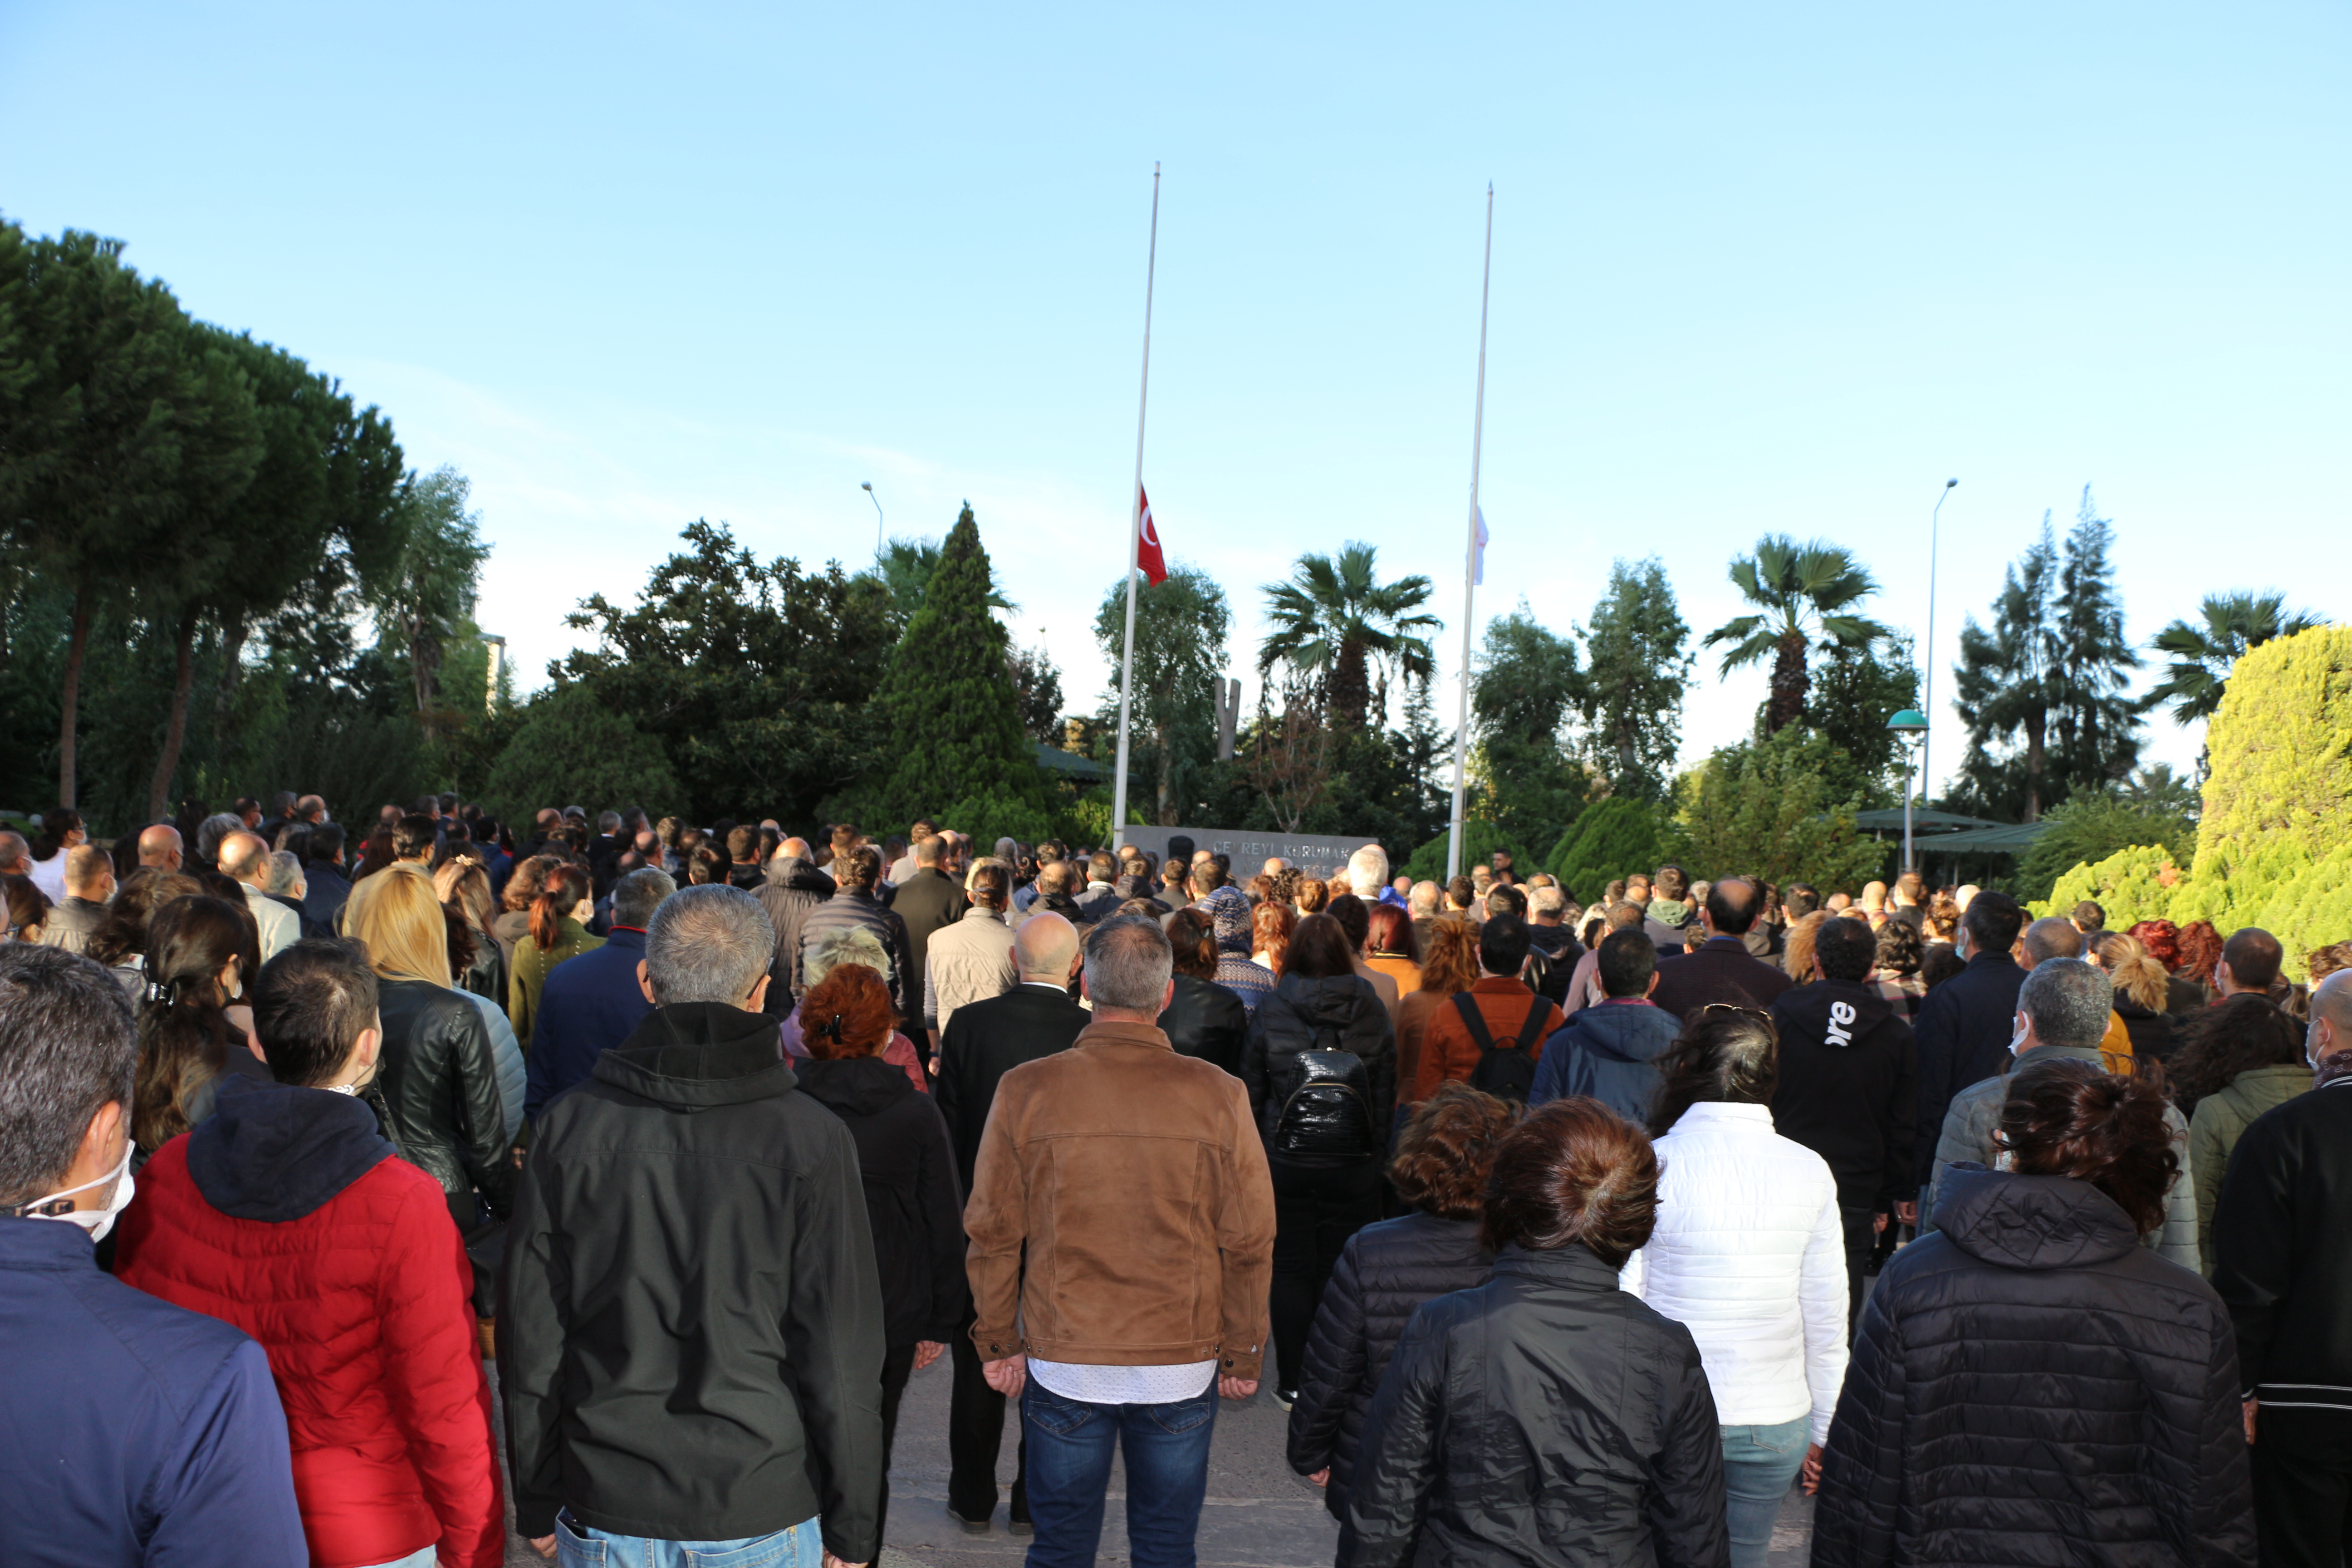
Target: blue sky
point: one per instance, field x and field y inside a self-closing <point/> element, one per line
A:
<point x="1755" y="269"/>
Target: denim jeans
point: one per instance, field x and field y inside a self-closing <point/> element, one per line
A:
<point x="1070" y="1444"/>
<point x="1759" y="1464"/>
<point x="579" y="1546"/>
<point x="423" y="1557"/>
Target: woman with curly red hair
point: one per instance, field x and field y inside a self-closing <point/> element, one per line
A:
<point x="912" y="1201"/>
<point x="2031" y="1373"/>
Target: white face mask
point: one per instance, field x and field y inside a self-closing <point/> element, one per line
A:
<point x="98" y="1222"/>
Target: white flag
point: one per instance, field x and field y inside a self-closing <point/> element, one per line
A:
<point x="1479" y="549"/>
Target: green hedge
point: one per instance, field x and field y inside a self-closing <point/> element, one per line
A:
<point x="1479" y="841"/>
<point x="1611" y="838"/>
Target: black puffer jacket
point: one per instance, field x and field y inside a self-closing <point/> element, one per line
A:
<point x="912" y="1198"/>
<point x="794" y="888"/>
<point x="1545" y="1418"/>
<point x="1341" y="1012"/>
<point x="1206" y="1020"/>
<point x="440" y="1083"/>
<point x="858" y="908"/>
<point x="2032" y="1386"/>
<point x="1385" y="1274"/>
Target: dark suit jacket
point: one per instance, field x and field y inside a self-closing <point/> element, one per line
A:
<point x="1206" y="1020"/>
<point x="325" y="890"/>
<point x="1963" y="1029"/>
<point x="1720" y="970"/>
<point x="928" y="901"/>
<point x="984" y="1041"/>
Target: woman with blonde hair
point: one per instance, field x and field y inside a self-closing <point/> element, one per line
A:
<point x="438" y="1068"/>
<point x="462" y="885"/>
<point x="1311" y="896"/>
<point x="2143" y="994"/>
<point x="1797" y="956"/>
<point x="559" y="930"/>
<point x="857" y="945"/>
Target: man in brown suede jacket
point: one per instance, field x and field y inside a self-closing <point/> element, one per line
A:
<point x="1136" y="1182"/>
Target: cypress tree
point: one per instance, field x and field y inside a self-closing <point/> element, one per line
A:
<point x="948" y="703"/>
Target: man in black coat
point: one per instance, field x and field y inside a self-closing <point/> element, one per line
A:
<point x="2283" y="1233"/>
<point x="983" y="1041"/>
<point x="1964" y="1026"/>
<point x="715" y="1377"/>
<point x="325" y="888"/>
<point x="1721" y="969"/>
<point x="1850" y="1088"/>
<point x="929" y="902"/>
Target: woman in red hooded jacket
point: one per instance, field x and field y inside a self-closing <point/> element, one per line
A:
<point x="287" y="1215"/>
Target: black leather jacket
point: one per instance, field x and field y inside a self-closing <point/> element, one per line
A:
<point x="440" y="1083"/>
<point x="1206" y="1020"/>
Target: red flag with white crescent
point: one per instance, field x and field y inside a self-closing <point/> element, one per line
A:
<point x="1153" y="564"/>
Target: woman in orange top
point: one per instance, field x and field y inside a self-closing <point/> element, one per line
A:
<point x="1450" y="965"/>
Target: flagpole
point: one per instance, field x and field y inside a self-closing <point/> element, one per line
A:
<point x="1470" y="557"/>
<point x="1135" y="528"/>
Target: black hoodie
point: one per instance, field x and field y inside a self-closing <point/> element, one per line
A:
<point x="274" y="1152"/>
<point x="911" y="1198"/>
<point x="1849" y="1087"/>
<point x="690" y="1334"/>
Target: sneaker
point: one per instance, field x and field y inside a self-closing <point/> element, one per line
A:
<point x="1019" y="1527"/>
<point x="1286" y="1398"/>
<point x="971" y="1526"/>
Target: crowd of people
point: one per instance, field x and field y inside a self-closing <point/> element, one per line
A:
<point x="1562" y="1234"/>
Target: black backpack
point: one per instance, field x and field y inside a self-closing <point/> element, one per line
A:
<point x="1328" y="1113"/>
<point x="1507" y="1072"/>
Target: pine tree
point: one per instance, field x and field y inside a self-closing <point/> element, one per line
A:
<point x="1637" y="658"/>
<point x="947" y="700"/>
<point x="2098" y="727"/>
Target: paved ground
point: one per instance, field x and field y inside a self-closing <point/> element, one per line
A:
<point x="1258" y="1515"/>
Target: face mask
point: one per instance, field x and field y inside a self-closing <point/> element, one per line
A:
<point x="98" y="1222"/>
<point x="2016" y="1040"/>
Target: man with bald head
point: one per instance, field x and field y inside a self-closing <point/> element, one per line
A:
<point x="159" y="847"/>
<point x="2283" y="1243"/>
<point x="90" y="883"/>
<point x="980" y="1043"/>
<point x="245" y="859"/>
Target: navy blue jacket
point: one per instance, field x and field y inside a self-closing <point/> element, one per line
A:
<point x="590" y="1003"/>
<point x="1963" y="1029"/>
<point x="131" y="1431"/>
<point x="325" y="890"/>
<point x="1611" y="1052"/>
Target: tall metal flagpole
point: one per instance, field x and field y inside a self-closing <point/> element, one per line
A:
<point x="1135" y="529"/>
<point x="1470" y="558"/>
<point x="1927" y="699"/>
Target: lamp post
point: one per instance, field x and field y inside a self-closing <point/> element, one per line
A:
<point x="868" y="486"/>
<point x="1928" y="698"/>
<point x="1912" y="725"/>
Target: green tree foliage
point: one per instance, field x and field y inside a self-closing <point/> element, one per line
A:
<point x="1334" y="622"/>
<point x="2202" y="654"/>
<point x="1037" y="682"/>
<point x="754" y="676"/>
<point x="2041" y="691"/>
<point x="1804" y="596"/>
<point x="1525" y="689"/>
<point x="1480" y="840"/>
<point x="1637" y="660"/>
<point x="1181" y="625"/>
<point x="905" y="569"/>
<point x="2133" y="884"/>
<point x="575" y="746"/>
<point x="1611" y="838"/>
<point x="428" y="587"/>
<point x="2089" y="828"/>
<point x="1763" y="808"/>
<point x="1855" y="690"/>
<point x="947" y="706"/>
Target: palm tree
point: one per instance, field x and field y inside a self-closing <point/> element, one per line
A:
<point x="1334" y="620"/>
<point x="1801" y="592"/>
<point x="2203" y="656"/>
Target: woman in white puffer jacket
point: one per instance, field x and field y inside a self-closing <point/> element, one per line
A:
<point x="1749" y="1255"/>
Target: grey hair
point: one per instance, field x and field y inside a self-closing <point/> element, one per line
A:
<point x="285" y="874"/>
<point x="14" y="851"/>
<point x="1006" y="849"/>
<point x="1369" y="868"/>
<point x="847" y="945"/>
<point x="710" y="943"/>
<point x="212" y="829"/>
<point x="636" y="896"/>
<point x="2067" y="1001"/>
<point x="1547" y="900"/>
<point x="1422" y="899"/>
<point x="67" y="1046"/>
<point x="1129" y="961"/>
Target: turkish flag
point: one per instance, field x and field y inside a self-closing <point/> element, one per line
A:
<point x="1154" y="565"/>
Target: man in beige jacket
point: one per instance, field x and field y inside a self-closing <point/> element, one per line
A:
<point x="1136" y="1182"/>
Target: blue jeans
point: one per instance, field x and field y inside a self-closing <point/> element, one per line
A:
<point x="1070" y="1445"/>
<point x="583" y="1546"/>
<point x="1759" y="1464"/>
<point x="423" y="1557"/>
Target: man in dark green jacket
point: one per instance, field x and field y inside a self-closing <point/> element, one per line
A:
<point x="690" y="1324"/>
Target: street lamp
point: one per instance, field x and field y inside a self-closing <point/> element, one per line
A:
<point x="868" y="488"/>
<point x="1928" y="698"/>
<point x="1912" y="725"/>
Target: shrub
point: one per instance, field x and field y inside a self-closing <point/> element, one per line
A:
<point x="1762" y="808"/>
<point x="573" y="750"/>
<point x="2087" y="829"/>
<point x="1611" y="838"/>
<point x="1480" y="839"/>
<point x="2136" y="884"/>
